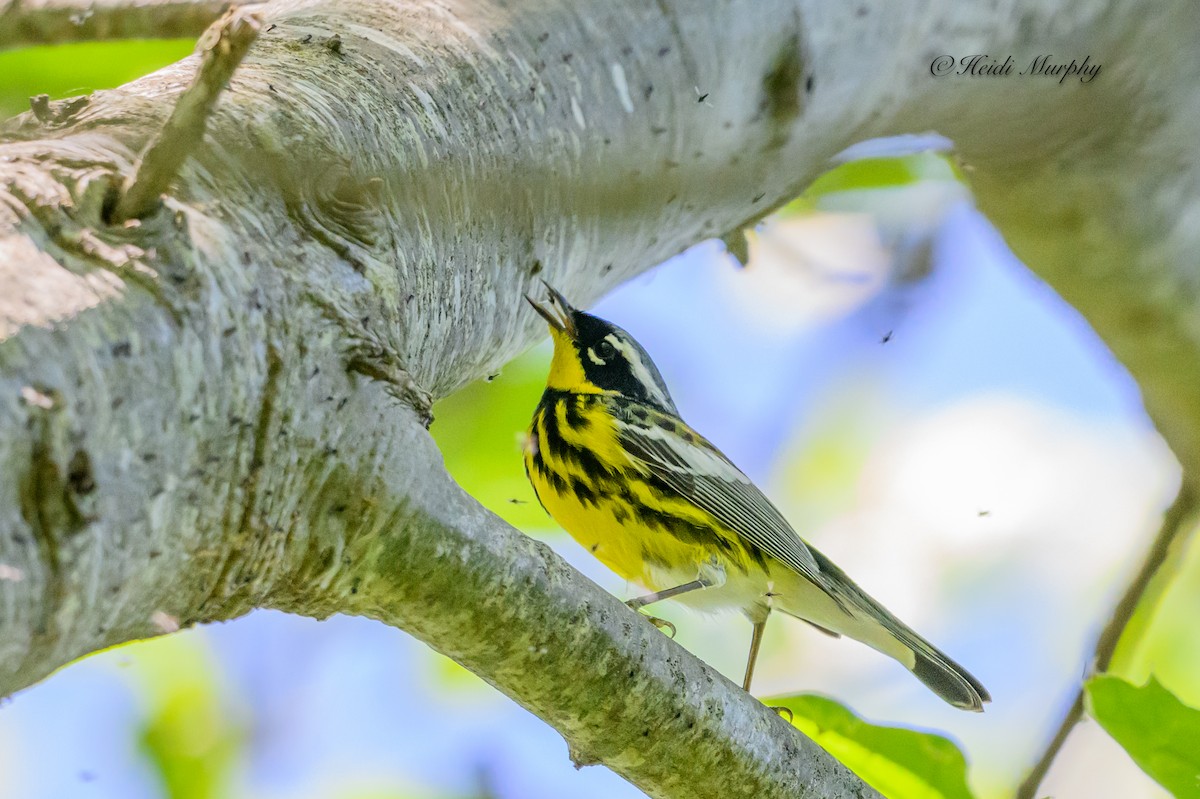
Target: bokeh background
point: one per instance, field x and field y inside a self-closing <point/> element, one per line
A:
<point x="920" y="406"/>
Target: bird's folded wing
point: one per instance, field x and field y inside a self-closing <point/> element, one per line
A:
<point x="668" y="449"/>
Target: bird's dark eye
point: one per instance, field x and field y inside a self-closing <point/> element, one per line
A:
<point x="605" y="350"/>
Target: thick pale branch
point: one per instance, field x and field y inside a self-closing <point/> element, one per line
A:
<point x="223" y="46"/>
<point x="26" y="23"/>
<point x="424" y="557"/>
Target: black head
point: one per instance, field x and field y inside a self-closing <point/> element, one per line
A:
<point x="593" y="355"/>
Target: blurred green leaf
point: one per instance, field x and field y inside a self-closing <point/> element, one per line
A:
<point x="899" y="763"/>
<point x="189" y="735"/>
<point x="480" y="430"/>
<point x="71" y="69"/>
<point x="857" y="180"/>
<point x="1159" y="732"/>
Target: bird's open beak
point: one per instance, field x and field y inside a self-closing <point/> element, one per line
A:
<point x="557" y="312"/>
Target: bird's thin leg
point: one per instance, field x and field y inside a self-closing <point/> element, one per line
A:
<point x="666" y="593"/>
<point x="755" y="643"/>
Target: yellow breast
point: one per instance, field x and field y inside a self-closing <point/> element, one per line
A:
<point x="585" y="481"/>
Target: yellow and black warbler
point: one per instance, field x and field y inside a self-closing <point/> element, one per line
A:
<point x="612" y="462"/>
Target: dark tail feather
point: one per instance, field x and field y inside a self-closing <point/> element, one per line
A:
<point x="931" y="666"/>
<point x="949" y="680"/>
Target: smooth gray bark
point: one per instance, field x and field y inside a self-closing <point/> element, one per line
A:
<point x="217" y="409"/>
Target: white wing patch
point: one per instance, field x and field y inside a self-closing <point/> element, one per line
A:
<point x="698" y="461"/>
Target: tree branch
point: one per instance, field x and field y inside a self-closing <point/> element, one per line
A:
<point x="25" y="23"/>
<point x="223" y="47"/>
<point x="424" y="557"/>
<point x="1177" y="526"/>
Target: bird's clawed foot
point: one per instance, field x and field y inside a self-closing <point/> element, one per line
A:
<point x="662" y="624"/>
<point x="782" y="711"/>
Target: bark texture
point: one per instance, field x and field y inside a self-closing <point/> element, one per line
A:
<point x="218" y="406"/>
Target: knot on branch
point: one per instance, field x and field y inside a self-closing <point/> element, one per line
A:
<point x="59" y="113"/>
<point x="343" y="211"/>
<point x="382" y="365"/>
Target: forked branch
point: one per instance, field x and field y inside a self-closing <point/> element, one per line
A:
<point x="224" y="45"/>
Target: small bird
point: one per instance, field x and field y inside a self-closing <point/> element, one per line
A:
<point x="611" y="461"/>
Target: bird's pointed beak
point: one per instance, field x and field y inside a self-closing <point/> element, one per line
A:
<point x="558" y="313"/>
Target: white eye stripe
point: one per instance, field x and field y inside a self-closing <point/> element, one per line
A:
<point x="595" y="358"/>
<point x="640" y="372"/>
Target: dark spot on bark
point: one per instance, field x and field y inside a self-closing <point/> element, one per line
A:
<point x="758" y="197"/>
<point x="567" y="57"/>
<point x="154" y="553"/>
<point x="626" y="51"/>
<point x="542" y="37"/>
<point x="149" y="457"/>
<point x="662" y="51"/>
<point x="536" y="269"/>
<point x="121" y="349"/>
<point x="342" y="402"/>
<point x="334" y="44"/>
<point x="646" y="92"/>
<point x="781" y="92"/>
<point x="306" y="39"/>
<point x="657" y="131"/>
<point x="112" y="195"/>
<point x="606" y="269"/>
<point x="79" y="473"/>
<point x="808" y="84"/>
